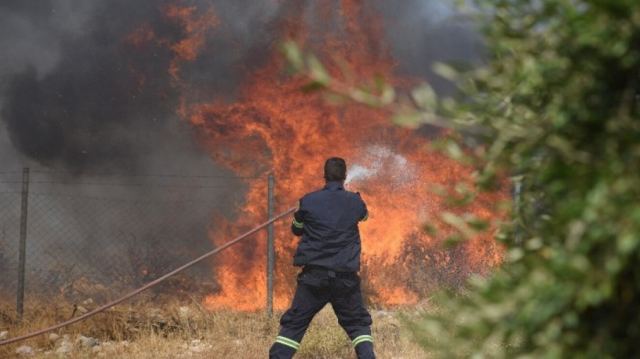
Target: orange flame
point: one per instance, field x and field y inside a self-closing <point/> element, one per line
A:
<point x="274" y="127"/>
<point x="195" y="29"/>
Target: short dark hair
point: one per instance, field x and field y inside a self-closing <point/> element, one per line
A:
<point x="335" y="169"/>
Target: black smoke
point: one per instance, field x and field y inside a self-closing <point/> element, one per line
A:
<point x="79" y="114"/>
<point x="77" y="97"/>
<point x="94" y="116"/>
<point x="105" y="102"/>
<point x="424" y="32"/>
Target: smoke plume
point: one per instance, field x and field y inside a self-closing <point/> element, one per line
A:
<point x="80" y="95"/>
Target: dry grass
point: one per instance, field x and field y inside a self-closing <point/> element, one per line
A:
<point x="186" y="330"/>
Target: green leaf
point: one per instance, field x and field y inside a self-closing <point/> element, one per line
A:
<point x="446" y="71"/>
<point x="293" y="54"/>
<point x="424" y="97"/>
<point x="410" y="120"/>
<point x="317" y="72"/>
<point x="430" y="229"/>
<point x="313" y="86"/>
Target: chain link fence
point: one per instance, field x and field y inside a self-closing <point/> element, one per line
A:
<point x="98" y="236"/>
<point x="9" y="241"/>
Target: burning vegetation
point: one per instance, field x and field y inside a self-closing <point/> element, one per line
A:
<point x="161" y="59"/>
<point x="274" y="127"/>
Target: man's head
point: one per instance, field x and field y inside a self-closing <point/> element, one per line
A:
<point x="335" y="169"/>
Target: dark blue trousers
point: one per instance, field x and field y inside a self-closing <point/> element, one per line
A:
<point x="317" y="287"/>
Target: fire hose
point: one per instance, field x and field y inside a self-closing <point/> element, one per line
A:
<point x="148" y="285"/>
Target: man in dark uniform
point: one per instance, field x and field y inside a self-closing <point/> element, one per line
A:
<point x="329" y="253"/>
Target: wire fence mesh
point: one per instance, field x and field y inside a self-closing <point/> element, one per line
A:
<point x="9" y="234"/>
<point x="102" y="235"/>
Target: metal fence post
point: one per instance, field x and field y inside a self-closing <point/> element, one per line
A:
<point x="23" y="243"/>
<point x="271" y="253"/>
<point x="517" y="204"/>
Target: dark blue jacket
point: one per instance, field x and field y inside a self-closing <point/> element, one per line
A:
<point x="328" y="220"/>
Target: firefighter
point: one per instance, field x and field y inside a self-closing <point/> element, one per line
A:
<point x="329" y="254"/>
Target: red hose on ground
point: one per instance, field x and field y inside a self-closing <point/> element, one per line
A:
<point x="148" y="285"/>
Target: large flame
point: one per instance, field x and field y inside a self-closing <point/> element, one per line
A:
<point x="274" y="127"/>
